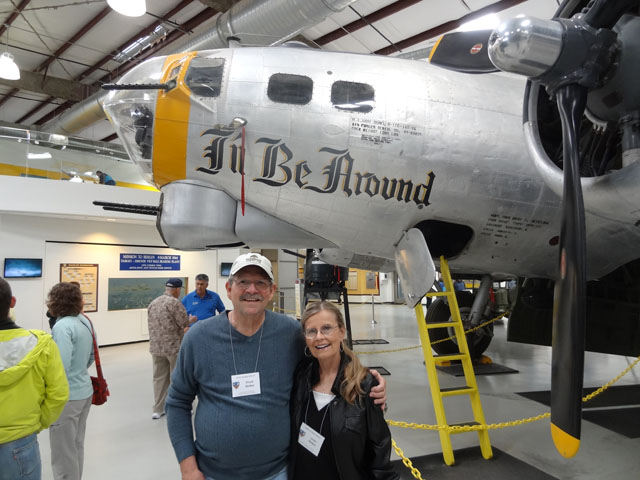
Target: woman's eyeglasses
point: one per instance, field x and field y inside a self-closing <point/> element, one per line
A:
<point x="326" y="330"/>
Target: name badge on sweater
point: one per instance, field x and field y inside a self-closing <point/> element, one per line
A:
<point x="310" y="439"/>
<point x="245" y="384"/>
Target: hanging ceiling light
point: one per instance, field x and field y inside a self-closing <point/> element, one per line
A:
<point x="130" y="8"/>
<point x="8" y="68"/>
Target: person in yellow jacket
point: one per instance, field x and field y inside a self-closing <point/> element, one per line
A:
<point x="33" y="392"/>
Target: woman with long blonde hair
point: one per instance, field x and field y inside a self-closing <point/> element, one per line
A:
<point x="337" y="431"/>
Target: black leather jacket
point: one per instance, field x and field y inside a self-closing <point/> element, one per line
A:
<point x="359" y="434"/>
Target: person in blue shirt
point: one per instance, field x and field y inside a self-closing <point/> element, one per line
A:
<point x="105" y="178"/>
<point x="202" y="303"/>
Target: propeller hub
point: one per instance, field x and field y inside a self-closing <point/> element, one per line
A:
<point x="526" y="45"/>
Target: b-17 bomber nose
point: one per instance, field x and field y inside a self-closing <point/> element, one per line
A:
<point x="130" y="106"/>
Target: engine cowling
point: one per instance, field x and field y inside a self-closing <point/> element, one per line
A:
<point x="195" y="216"/>
<point x="610" y="137"/>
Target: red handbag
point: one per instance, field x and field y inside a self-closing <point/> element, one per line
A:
<point x="100" y="388"/>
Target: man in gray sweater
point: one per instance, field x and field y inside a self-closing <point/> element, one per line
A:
<point x="240" y="365"/>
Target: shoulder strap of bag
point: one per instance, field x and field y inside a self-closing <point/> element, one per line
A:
<point x="96" y="354"/>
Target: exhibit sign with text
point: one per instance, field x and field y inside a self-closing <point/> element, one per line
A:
<point x="86" y="274"/>
<point x="149" y="261"/>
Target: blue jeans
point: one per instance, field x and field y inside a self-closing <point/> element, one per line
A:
<point x="20" y="459"/>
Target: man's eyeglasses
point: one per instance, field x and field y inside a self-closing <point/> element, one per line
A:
<point x="326" y="330"/>
<point x="261" y="285"/>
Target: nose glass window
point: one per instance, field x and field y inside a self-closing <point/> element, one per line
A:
<point x="204" y="77"/>
<point x="261" y="285"/>
<point x="325" y="330"/>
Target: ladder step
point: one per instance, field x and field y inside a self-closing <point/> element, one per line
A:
<point x="441" y="324"/>
<point x="438" y="294"/>
<point x="463" y="424"/>
<point x="449" y="392"/>
<point x="449" y="356"/>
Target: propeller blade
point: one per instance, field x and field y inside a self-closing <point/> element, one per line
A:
<point x="464" y="52"/>
<point x="569" y="311"/>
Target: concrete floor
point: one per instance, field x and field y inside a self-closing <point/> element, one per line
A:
<point x="124" y="443"/>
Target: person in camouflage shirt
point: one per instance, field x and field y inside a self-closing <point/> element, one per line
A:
<point x="168" y="322"/>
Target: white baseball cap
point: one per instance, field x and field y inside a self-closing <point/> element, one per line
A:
<point x="252" y="259"/>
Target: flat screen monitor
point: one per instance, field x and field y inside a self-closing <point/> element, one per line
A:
<point x="225" y="269"/>
<point x="22" y="267"/>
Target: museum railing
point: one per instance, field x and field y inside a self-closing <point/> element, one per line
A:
<point x="30" y="153"/>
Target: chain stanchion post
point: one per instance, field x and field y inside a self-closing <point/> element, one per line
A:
<point x="373" y="311"/>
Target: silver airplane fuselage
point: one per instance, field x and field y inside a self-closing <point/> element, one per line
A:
<point x="351" y="150"/>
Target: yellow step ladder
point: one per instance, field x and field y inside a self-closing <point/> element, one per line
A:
<point x="470" y="388"/>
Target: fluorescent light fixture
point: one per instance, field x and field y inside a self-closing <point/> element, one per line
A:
<point x="39" y="156"/>
<point x="130" y="8"/>
<point x="487" y="22"/>
<point x="8" y="68"/>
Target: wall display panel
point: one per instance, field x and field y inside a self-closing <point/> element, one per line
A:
<point x="86" y="274"/>
<point x="22" y="267"/>
<point x="225" y="269"/>
<point x="137" y="292"/>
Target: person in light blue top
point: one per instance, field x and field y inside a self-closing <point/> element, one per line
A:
<point x="202" y="303"/>
<point x="72" y="333"/>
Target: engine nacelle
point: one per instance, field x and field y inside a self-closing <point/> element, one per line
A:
<point x="609" y="184"/>
<point x="195" y="216"/>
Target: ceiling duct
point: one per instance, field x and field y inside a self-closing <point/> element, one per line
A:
<point x="256" y="23"/>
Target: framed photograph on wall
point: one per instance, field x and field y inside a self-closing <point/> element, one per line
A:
<point x="86" y="274"/>
<point x="138" y="292"/>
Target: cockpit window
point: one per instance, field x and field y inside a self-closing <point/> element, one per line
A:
<point x="204" y="77"/>
<point x="175" y="71"/>
<point x="352" y="96"/>
<point x="286" y="88"/>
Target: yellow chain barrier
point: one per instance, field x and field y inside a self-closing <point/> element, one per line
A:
<point x="370" y="352"/>
<point x="407" y="462"/>
<point x="494" y="426"/>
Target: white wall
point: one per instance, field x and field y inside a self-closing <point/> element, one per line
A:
<point x="37" y="215"/>
<point x="102" y="242"/>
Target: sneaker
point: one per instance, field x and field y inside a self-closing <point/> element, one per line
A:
<point x="156" y="416"/>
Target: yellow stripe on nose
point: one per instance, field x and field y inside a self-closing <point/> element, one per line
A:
<point x="172" y="123"/>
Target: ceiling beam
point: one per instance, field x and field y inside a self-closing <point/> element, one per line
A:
<point x="447" y="27"/>
<point x="53" y="86"/>
<point x="142" y="33"/>
<point x="364" y="21"/>
<point x="172" y="37"/>
<point x="106" y="58"/>
<point x="79" y="34"/>
<point x="9" y="20"/>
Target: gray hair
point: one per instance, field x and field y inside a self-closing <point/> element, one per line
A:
<point x="203" y="277"/>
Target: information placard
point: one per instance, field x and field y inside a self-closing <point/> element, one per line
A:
<point x="86" y="274"/>
<point x="149" y="261"/>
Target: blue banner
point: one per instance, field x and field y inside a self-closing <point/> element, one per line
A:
<point x="149" y="261"/>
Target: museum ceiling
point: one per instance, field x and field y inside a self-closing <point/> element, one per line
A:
<point x="66" y="49"/>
